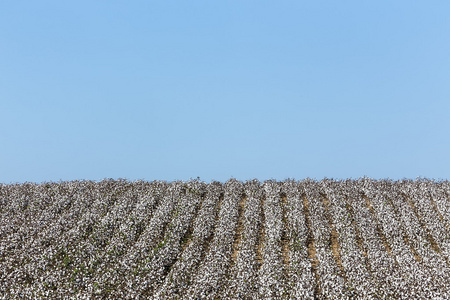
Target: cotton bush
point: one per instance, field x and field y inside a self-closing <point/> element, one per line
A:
<point x="309" y="239"/>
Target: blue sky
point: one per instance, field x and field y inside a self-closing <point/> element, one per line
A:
<point x="173" y="90"/>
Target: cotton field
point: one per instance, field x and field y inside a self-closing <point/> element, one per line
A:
<point x="328" y="239"/>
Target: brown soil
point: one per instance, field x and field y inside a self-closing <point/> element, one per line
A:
<point x="312" y="250"/>
<point x="261" y="234"/>
<point x="429" y="237"/>
<point x="239" y="230"/>
<point x="284" y="237"/>
<point x="378" y="229"/>
<point x="417" y="256"/>
<point x="335" y="247"/>
<point x="359" y="240"/>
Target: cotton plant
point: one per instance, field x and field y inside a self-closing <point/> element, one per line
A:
<point x="339" y="239"/>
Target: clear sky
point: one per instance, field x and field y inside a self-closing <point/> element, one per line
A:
<point x="218" y="89"/>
